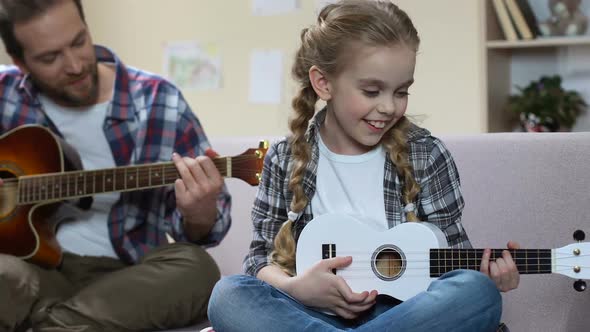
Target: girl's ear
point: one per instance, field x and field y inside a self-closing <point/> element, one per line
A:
<point x="320" y="83"/>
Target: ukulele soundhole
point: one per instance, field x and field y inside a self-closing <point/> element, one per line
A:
<point x="388" y="262"/>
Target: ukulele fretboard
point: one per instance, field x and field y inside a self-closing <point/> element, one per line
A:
<point x="528" y="261"/>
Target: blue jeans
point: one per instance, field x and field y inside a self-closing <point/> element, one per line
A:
<point x="461" y="300"/>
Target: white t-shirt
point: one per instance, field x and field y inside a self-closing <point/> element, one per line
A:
<point x="351" y="185"/>
<point x="81" y="127"/>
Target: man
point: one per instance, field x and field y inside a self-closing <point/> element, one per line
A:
<point x="119" y="271"/>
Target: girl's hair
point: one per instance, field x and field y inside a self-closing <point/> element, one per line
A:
<point x="327" y="45"/>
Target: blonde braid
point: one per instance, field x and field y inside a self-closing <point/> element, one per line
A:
<point x="397" y="145"/>
<point x="283" y="254"/>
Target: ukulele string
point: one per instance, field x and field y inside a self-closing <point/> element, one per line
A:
<point x="419" y="272"/>
<point x="371" y="274"/>
<point x="457" y="251"/>
<point x="428" y="251"/>
<point x="455" y="259"/>
<point x="517" y="260"/>
<point x="470" y="265"/>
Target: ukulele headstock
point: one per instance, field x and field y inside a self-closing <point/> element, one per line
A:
<point x="573" y="260"/>
<point x="248" y="165"/>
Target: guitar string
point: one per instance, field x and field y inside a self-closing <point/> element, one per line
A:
<point x="137" y="176"/>
<point x="40" y="191"/>
<point x="144" y="174"/>
<point x="221" y="162"/>
<point x="35" y="184"/>
<point x="73" y="177"/>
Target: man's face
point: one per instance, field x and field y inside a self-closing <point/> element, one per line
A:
<point x="59" y="55"/>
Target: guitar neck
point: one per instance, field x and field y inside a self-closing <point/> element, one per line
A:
<point x="69" y="185"/>
<point x="528" y="261"/>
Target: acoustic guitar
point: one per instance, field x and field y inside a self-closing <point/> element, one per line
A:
<point x="404" y="260"/>
<point x="38" y="172"/>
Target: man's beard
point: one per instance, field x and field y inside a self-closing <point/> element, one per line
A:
<point x="61" y="95"/>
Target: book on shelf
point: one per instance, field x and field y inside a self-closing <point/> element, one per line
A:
<point x="529" y="17"/>
<point x="517" y="18"/>
<point x="504" y="20"/>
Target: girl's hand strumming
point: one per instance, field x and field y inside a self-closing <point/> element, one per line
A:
<point x="320" y="288"/>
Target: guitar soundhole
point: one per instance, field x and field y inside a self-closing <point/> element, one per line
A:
<point x="388" y="262"/>
<point x="7" y="195"/>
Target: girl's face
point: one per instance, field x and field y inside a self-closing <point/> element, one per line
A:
<point x="367" y="97"/>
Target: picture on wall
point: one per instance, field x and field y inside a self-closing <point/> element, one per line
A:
<point x="193" y="66"/>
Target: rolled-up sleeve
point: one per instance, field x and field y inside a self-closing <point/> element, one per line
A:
<point x="192" y="141"/>
<point x="269" y="211"/>
<point x="441" y="200"/>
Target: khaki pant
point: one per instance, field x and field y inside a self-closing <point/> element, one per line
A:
<point x="169" y="288"/>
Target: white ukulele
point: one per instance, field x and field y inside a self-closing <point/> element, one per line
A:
<point x="404" y="260"/>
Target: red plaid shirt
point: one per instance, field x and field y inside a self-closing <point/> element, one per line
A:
<point x="147" y="120"/>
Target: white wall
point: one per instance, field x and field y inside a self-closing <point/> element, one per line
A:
<point x="447" y="91"/>
<point x="447" y="94"/>
<point x="4" y="58"/>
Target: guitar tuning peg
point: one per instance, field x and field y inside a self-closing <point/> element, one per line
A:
<point x="580" y="285"/>
<point x="579" y="235"/>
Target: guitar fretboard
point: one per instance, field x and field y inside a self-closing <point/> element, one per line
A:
<point x="68" y="185"/>
<point x="528" y="261"/>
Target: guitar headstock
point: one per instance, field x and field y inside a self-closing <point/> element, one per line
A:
<point x="246" y="166"/>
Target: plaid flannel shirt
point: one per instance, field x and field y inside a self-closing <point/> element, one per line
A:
<point x="147" y="120"/>
<point x="440" y="201"/>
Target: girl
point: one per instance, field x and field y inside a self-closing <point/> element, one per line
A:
<point x="359" y="155"/>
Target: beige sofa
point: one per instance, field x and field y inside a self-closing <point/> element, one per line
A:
<point x="531" y="188"/>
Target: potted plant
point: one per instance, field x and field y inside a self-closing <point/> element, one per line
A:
<point x="544" y="105"/>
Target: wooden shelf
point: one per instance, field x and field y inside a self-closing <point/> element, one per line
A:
<point x="507" y="64"/>
<point x="539" y="42"/>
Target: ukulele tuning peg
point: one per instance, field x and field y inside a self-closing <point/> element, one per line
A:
<point x="579" y="235"/>
<point x="580" y="285"/>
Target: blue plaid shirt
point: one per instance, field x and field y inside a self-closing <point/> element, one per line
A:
<point x="147" y="120"/>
